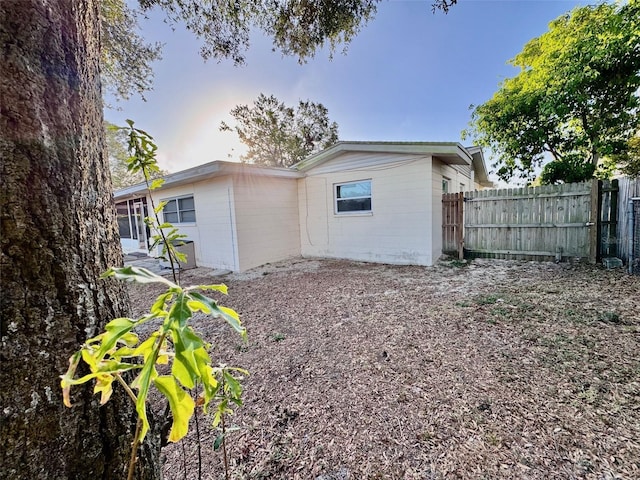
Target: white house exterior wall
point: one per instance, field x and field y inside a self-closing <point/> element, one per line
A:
<point x="213" y="233"/>
<point x="266" y="210"/>
<point x="398" y="230"/>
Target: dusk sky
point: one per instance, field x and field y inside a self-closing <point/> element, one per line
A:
<point x="410" y="75"/>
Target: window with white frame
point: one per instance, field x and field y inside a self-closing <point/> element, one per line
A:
<point x="353" y="197"/>
<point x="446" y="185"/>
<point x="179" y="210"/>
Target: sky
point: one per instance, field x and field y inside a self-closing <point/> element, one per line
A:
<point x="410" y="75"/>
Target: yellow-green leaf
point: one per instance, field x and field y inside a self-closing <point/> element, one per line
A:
<point x="185" y="367"/>
<point x="65" y="380"/>
<point x="181" y="404"/>
<point x="160" y="206"/>
<point x="115" y="330"/>
<point x="157" y="183"/>
<point x="142" y="383"/>
<point x="103" y="385"/>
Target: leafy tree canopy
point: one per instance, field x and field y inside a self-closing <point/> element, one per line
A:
<point x="297" y="27"/>
<point x="125" y="56"/>
<point x="629" y="160"/>
<point x="575" y="99"/>
<point x="281" y="136"/>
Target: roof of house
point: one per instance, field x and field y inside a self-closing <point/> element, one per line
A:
<point x="217" y="168"/>
<point x="479" y="166"/>
<point x="451" y="153"/>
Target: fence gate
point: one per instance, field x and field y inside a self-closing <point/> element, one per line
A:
<point x="536" y="223"/>
<point x="452" y="224"/>
<point x="634" y="244"/>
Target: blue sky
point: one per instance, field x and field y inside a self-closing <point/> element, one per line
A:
<point x="410" y="75"/>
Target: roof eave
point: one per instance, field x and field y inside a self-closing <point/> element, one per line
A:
<point x="204" y="172"/>
<point x="449" y="152"/>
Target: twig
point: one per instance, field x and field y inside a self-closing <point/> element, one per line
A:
<point x="134" y="450"/>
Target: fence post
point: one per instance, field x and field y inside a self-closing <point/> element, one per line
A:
<point x="460" y="232"/>
<point x="594" y="236"/>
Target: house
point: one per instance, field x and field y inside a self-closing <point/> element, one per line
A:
<point x="367" y="201"/>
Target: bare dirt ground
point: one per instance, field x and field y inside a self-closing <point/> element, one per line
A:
<point x="497" y="369"/>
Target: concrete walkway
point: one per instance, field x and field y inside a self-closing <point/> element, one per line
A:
<point x="150" y="263"/>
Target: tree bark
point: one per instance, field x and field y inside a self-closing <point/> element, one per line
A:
<point x="58" y="234"/>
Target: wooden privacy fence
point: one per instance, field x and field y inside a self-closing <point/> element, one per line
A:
<point x="591" y="220"/>
<point x="544" y="223"/>
<point x="628" y="231"/>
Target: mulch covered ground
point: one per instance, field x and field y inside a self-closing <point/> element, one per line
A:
<point x="495" y="369"/>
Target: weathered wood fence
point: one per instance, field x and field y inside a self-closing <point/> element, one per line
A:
<point x="589" y="221"/>
<point x="628" y="231"/>
<point x="545" y="223"/>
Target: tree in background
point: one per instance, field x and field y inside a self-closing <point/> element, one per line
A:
<point x="629" y="161"/>
<point x="575" y="99"/>
<point x="281" y="136"/>
<point x="58" y="220"/>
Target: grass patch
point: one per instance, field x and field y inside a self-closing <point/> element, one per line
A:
<point x="489" y="299"/>
<point x="278" y="337"/>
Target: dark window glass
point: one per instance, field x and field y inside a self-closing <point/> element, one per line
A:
<point x="354" y="205"/>
<point x="353" y="197"/>
<point x="124" y="227"/>
<point x="181" y="210"/>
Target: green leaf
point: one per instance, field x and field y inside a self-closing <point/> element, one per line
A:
<point x="181" y="404"/>
<point x="230" y="316"/>
<point x="159" y="305"/>
<point x="115" y="330"/>
<point x="136" y="274"/>
<point x="207" y="377"/>
<point x="220" y="288"/>
<point x="180" y="256"/>
<point x="185" y="367"/>
<point x="180" y="311"/>
<point x="157" y="183"/>
<point x="146" y="348"/>
<point x="142" y="383"/>
<point x="233" y="385"/>
<point x="160" y="206"/>
<point x="218" y="441"/>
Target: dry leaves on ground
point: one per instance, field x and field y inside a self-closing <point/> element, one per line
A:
<point x="496" y="369"/>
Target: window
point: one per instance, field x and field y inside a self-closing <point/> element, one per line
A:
<point x="131" y="215"/>
<point x="124" y="227"/>
<point x="180" y="210"/>
<point x="353" y="197"/>
<point x="445" y="184"/>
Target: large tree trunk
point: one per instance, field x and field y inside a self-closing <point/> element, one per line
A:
<point x="58" y="234"/>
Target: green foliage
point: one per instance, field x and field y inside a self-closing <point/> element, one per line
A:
<point x="117" y="150"/>
<point x="297" y="28"/>
<point x="126" y="58"/>
<point x="118" y="349"/>
<point x="281" y="136"/>
<point x="175" y="344"/>
<point x="629" y="161"/>
<point x="575" y="99"/>
<point x="569" y="169"/>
